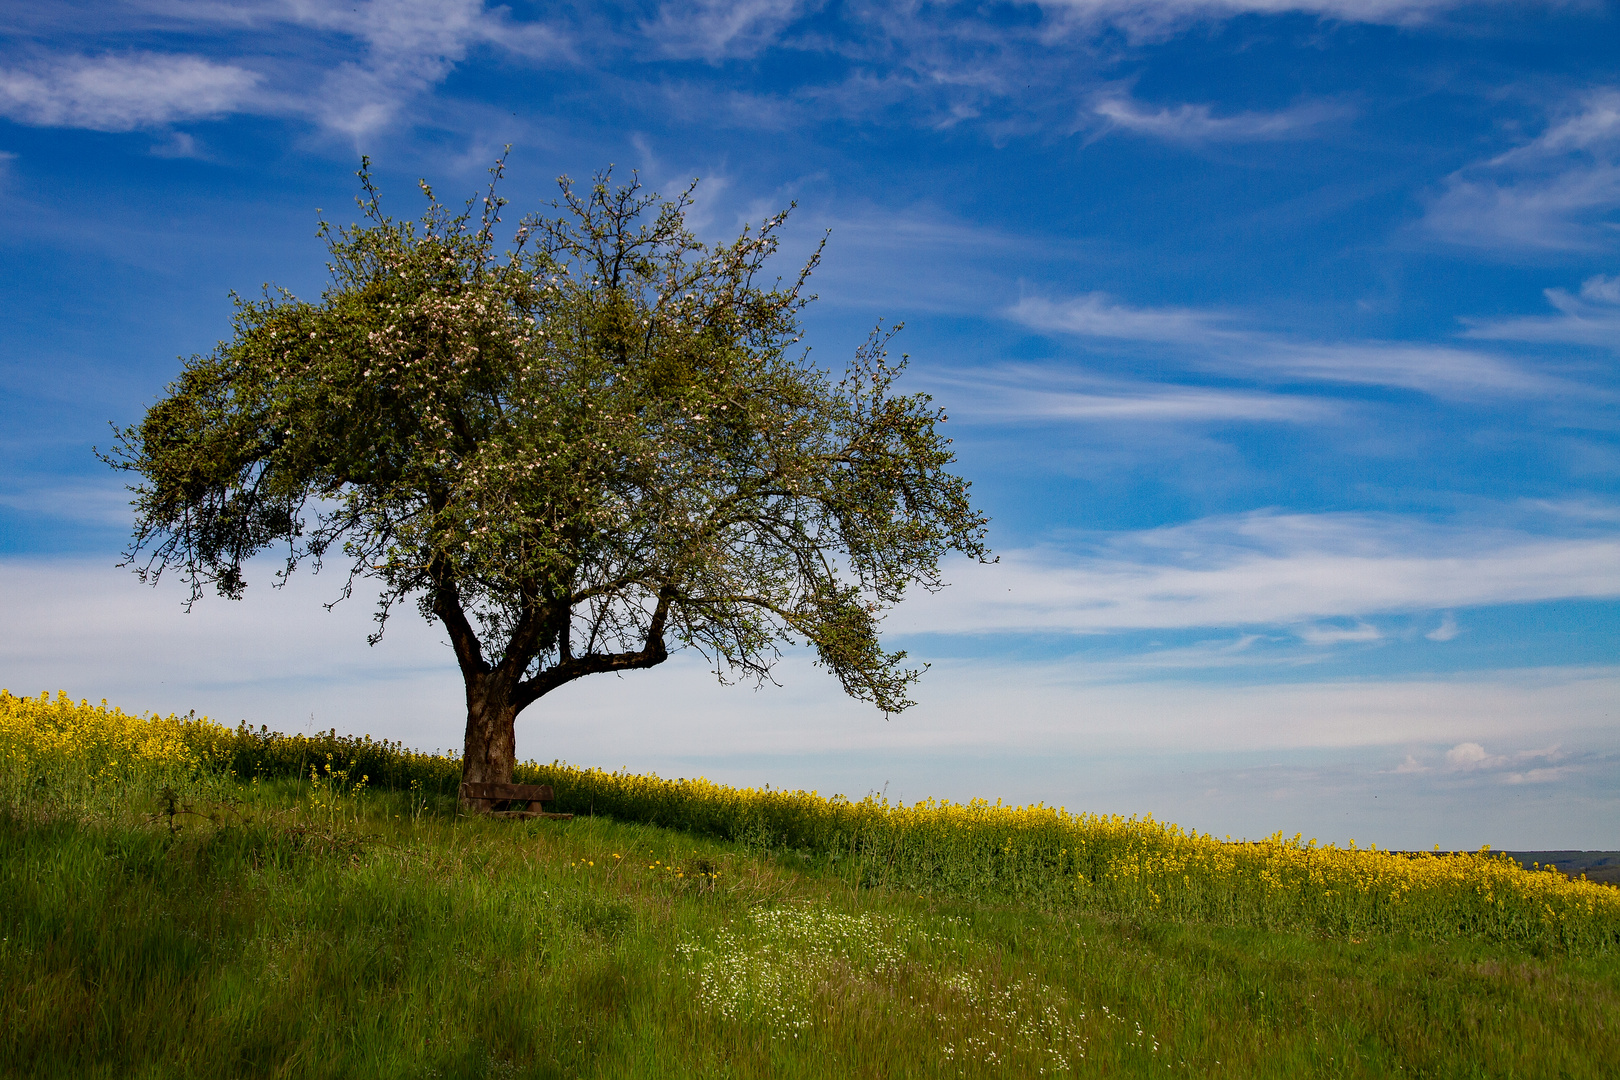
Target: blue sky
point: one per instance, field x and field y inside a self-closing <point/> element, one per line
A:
<point x="1278" y="338"/>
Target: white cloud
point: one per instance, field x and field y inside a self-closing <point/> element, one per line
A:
<point x="1583" y="512"/>
<point x="1198" y="123"/>
<point x="1468" y="756"/>
<point x="1012" y="394"/>
<point x="1538" y="776"/>
<point x="1440" y="370"/>
<point x="377" y="56"/>
<point x="1591" y="317"/>
<point x="940" y="67"/>
<point x="1233" y="652"/>
<point x="1554" y="193"/>
<point x="94" y="504"/>
<point x="409" y="46"/>
<point x="712" y="29"/>
<point x="1599" y="289"/>
<point x="1471" y="757"/>
<point x="946" y="64"/>
<point x="1263" y="569"/>
<point x="1432" y="369"/>
<point x="1549" y="214"/>
<point x="918" y="256"/>
<point x="1446" y="631"/>
<point x="1097" y="314"/>
<point x="1348" y="10"/>
<point x="1318" y="634"/>
<point x="400" y="48"/>
<point x="1154" y="18"/>
<point x="120" y="92"/>
<point x="179" y="144"/>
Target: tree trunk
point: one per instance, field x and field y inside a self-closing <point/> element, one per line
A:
<point x="490" y="750"/>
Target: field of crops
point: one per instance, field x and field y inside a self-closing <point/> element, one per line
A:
<point x="78" y="758"/>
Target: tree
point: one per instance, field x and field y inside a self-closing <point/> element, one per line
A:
<point x="578" y="455"/>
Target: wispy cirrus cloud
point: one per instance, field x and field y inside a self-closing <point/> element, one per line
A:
<point x="1432" y="369"/>
<point x="1014" y="393"/>
<point x="1328" y="634"/>
<point x="369" y="59"/>
<point x="945" y="65"/>
<point x="96" y="505"/>
<point x="1590" y="317"/>
<point x="121" y="92"/>
<point x="1097" y="314"/>
<point x="1216" y="339"/>
<point x="1200" y="124"/>
<point x="1555" y="193"/>
<point x="1347" y="10"/>
<point x="1157" y="18"/>
<point x="1447" y="630"/>
<point x="1265" y="569"/>
<point x="938" y="68"/>
<point x="407" y="47"/>
<point x="713" y="29"/>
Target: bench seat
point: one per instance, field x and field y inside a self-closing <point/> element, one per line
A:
<point x="483" y="797"/>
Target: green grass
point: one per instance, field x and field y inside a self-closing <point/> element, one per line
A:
<point x="382" y="936"/>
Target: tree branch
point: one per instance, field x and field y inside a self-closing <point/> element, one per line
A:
<point x="651" y="654"/>
<point x="447" y="606"/>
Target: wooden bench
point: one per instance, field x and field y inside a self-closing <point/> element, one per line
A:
<point x="483" y="797"/>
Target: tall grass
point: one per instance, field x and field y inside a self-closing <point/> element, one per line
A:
<point x="434" y="946"/>
<point x="1139" y="868"/>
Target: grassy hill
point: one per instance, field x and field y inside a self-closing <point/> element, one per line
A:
<point x="163" y="917"/>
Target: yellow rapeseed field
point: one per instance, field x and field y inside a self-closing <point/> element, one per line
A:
<point x="1132" y="866"/>
<point x="76" y="755"/>
<point x="71" y="755"/>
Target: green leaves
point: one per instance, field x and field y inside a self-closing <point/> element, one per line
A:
<point x="578" y="454"/>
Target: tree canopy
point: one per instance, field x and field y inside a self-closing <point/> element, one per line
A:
<point x="601" y="444"/>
